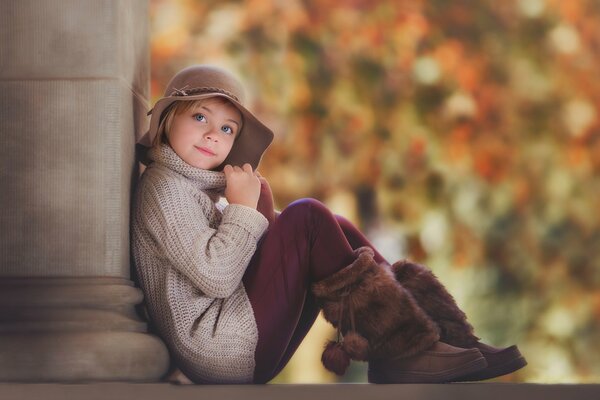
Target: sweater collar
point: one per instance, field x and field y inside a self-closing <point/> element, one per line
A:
<point x="206" y="180"/>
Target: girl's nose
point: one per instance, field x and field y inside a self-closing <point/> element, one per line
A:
<point x="211" y="134"/>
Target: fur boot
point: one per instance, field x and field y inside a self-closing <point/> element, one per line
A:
<point x="434" y="299"/>
<point x="378" y="320"/>
<point x="366" y="295"/>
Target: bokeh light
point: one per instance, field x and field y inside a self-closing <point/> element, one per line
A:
<point x="463" y="135"/>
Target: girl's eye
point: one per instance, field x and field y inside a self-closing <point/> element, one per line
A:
<point x="200" y="117"/>
<point x="227" y="129"/>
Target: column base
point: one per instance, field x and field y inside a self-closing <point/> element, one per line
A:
<point x="76" y="329"/>
<point x="82" y="357"/>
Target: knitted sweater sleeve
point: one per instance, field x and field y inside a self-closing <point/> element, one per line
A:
<point x="214" y="260"/>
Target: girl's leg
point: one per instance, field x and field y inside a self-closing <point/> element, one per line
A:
<point x="356" y="237"/>
<point x="304" y="244"/>
<point x="310" y="312"/>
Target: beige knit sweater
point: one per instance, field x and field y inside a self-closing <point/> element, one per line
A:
<point x="190" y="257"/>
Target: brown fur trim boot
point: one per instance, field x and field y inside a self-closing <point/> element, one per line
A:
<point x="435" y="300"/>
<point x="380" y="321"/>
<point x="455" y="330"/>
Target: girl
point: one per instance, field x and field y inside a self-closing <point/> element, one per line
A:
<point x="233" y="290"/>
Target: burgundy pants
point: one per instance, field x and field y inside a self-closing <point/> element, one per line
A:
<point x="305" y="244"/>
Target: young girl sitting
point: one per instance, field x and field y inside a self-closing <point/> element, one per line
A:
<point x="233" y="289"/>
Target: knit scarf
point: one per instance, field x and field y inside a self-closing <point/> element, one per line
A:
<point x="212" y="183"/>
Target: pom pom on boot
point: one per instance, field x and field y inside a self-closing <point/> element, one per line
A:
<point x="335" y="358"/>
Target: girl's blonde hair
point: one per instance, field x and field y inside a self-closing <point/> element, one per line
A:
<point x="180" y="107"/>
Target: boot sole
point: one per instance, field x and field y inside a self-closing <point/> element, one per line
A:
<point x="468" y="368"/>
<point x="496" y="371"/>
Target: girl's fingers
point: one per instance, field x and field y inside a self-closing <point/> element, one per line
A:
<point x="247" y="167"/>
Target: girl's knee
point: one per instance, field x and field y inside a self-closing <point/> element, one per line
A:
<point x="304" y="206"/>
<point x="344" y="223"/>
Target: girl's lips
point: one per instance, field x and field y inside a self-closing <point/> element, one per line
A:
<point x="204" y="150"/>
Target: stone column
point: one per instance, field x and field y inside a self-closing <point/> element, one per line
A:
<point x="74" y="90"/>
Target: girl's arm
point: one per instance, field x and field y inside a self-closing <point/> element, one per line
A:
<point x="214" y="260"/>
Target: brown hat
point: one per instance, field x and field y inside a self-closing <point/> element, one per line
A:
<point x="203" y="81"/>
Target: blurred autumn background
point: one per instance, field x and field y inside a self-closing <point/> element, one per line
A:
<point x="461" y="134"/>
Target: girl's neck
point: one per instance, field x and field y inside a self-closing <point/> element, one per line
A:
<point x="205" y="179"/>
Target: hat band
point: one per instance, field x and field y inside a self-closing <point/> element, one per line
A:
<point x="192" y="91"/>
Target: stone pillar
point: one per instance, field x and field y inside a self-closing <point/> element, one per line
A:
<point x="74" y="90"/>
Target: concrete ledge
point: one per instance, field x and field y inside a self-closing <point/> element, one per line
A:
<point x="118" y="391"/>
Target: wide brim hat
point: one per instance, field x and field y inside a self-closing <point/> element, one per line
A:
<point x="203" y="81"/>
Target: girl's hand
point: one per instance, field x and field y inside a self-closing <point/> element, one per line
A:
<point x="243" y="187"/>
<point x="266" y="205"/>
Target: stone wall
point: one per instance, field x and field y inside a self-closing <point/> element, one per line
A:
<point x="74" y="91"/>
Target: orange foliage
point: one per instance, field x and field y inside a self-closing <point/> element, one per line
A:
<point x="462" y="107"/>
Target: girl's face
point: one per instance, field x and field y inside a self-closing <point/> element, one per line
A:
<point x="203" y="135"/>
